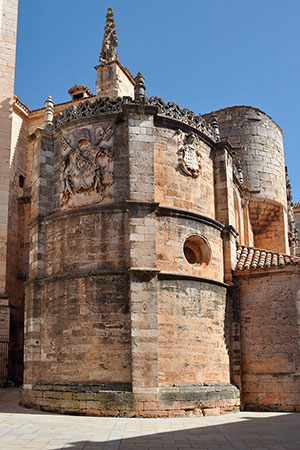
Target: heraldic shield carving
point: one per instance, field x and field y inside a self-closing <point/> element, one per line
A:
<point x="189" y="154"/>
<point x="87" y="167"/>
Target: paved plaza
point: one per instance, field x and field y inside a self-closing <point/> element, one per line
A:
<point x="21" y="428"/>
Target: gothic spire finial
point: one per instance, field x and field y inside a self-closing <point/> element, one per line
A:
<point x="110" y="40"/>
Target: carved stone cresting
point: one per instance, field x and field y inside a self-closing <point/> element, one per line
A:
<point x="106" y="105"/>
<point x="185" y="115"/>
<point x="189" y="154"/>
<point x="87" y="166"/>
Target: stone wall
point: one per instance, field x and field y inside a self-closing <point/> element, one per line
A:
<point x="242" y="219"/>
<point x="296" y="212"/>
<point x="8" y="30"/>
<point x="172" y="232"/>
<point x="113" y="81"/>
<point x="85" y="242"/>
<point x="191" y="323"/>
<point x="269" y="320"/>
<point x="108" y="243"/>
<point x="18" y="241"/>
<point x="261" y="158"/>
<point x="272" y="236"/>
<point x="174" y="187"/>
<point x="4" y="340"/>
<point x="78" y="330"/>
<point x="77" y="305"/>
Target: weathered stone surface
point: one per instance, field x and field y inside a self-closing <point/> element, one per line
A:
<point x="95" y="400"/>
<point x="261" y="161"/>
<point x="124" y="217"/>
<point x="270" y="314"/>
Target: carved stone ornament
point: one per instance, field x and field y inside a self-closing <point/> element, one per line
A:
<point x="104" y="105"/>
<point x="107" y="105"/>
<point x="189" y="154"/>
<point x="87" y="167"/>
<point x="184" y="115"/>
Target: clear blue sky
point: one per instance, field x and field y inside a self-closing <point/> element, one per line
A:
<point x="200" y="54"/>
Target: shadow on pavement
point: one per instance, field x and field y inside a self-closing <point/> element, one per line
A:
<point x="244" y="431"/>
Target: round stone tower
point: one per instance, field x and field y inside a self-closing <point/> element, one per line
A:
<point x="260" y="157"/>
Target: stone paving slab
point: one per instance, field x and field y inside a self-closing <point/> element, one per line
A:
<point x="21" y="428"/>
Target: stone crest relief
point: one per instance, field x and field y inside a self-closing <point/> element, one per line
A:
<point x="189" y="154"/>
<point x="87" y="167"/>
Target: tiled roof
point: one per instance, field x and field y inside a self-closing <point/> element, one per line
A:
<point x="255" y="258"/>
<point x="296" y="205"/>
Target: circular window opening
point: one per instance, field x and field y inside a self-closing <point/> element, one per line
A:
<point x="197" y="251"/>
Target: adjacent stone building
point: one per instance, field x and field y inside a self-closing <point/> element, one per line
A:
<point x="154" y="249"/>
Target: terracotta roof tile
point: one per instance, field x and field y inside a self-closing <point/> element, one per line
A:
<point x="255" y="258"/>
<point x="296" y="205"/>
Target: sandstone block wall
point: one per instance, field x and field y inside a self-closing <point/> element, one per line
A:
<point x="105" y="254"/>
<point x="4" y="340"/>
<point x="173" y="187"/>
<point x="273" y="235"/>
<point x="269" y="308"/>
<point x="18" y="240"/>
<point x="8" y="30"/>
<point x="242" y="219"/>
<point x="85" y="242"/>
<point x="191" y="319"/>
<point x="225" y="205"/>
<point x="77" y="320"/>
<point x="112" y="81"/>
<point x="262" y="162"/>
<point x="172" y="232"/>
<point x="78" y="330"/>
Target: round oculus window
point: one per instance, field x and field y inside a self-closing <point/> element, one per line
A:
<point x="197" y="251"/>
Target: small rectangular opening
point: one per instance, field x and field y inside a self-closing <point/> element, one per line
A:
<point x="21" y="181"/>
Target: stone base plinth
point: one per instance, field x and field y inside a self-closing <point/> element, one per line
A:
<point x="118" y="400"/>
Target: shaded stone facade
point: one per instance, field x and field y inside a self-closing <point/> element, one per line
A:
<point x="148" y="243"/>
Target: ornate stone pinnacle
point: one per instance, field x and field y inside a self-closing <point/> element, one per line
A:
<point x="215" y="125"/>
<point x="49" y="111"/>
<point x="139" y="88"/>
<point x="110" y="40"/>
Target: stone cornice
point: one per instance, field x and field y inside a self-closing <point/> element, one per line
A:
<point x="184" y="276"/>
<point x="56" y="216"/>
<point x="174" y="212"/>
<point x="78" y="274"/>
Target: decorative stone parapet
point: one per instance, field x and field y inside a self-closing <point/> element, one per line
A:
<point x="103" y="105"/>
<point x="185" y="115"/>
<point x="106" y="105"/>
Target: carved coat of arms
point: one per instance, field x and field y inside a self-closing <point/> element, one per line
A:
<point x="189" y="154"/>
<point x="87" y="167"/>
